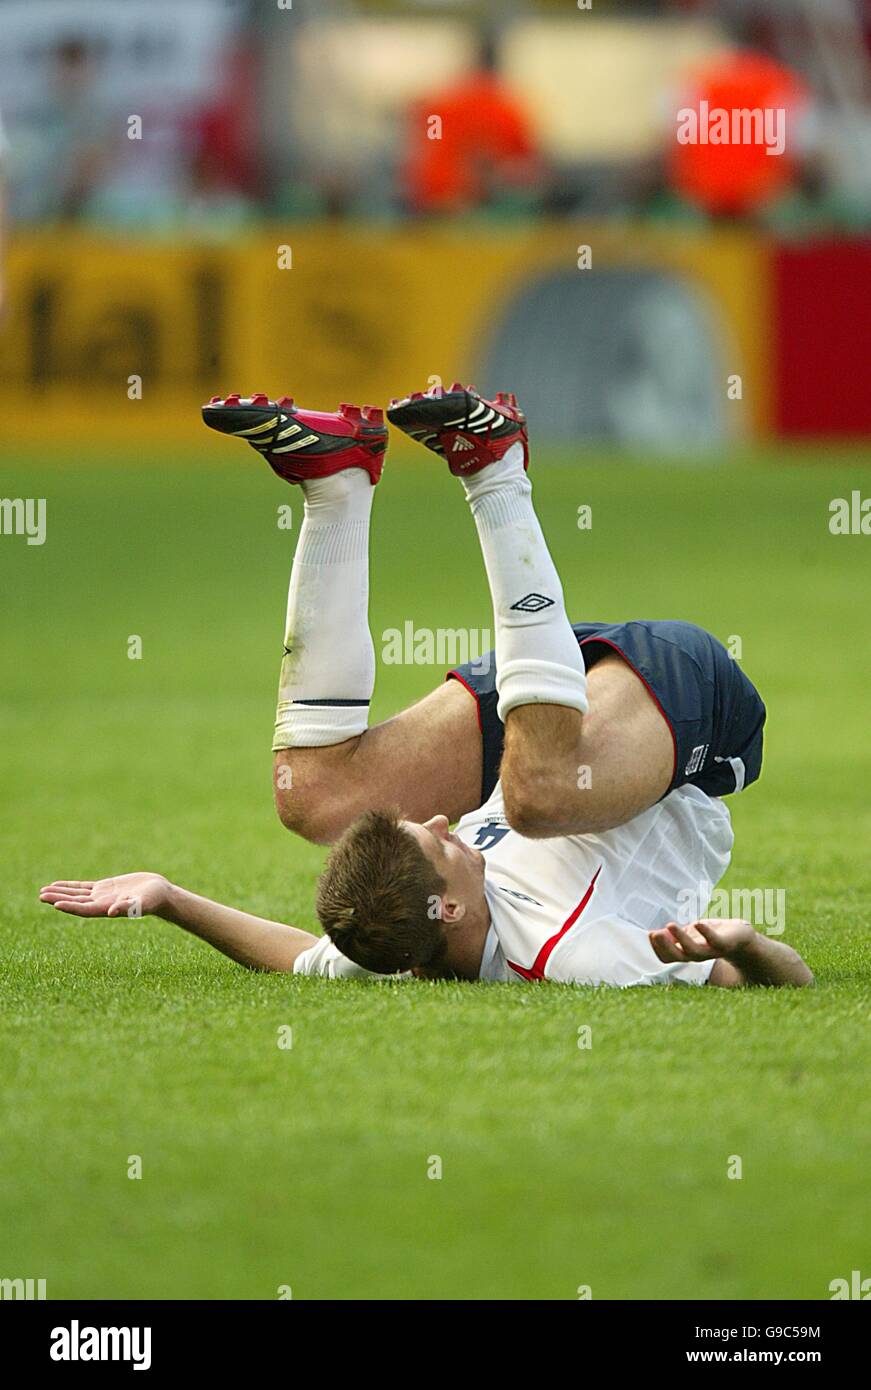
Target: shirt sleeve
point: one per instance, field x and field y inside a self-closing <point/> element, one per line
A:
<point x="326" y="959"/>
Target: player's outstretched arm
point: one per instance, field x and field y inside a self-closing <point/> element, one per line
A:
<point x="741" y="955"/>
<point x="252" y="941"/>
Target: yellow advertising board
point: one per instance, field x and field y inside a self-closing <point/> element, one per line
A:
<point x="109" y="338"/>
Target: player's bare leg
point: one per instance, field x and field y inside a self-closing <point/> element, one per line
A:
<point x="576" y="758"/>
<point x="329" y="766"/>
<point x="565" y="774"/>
<point x="425" y="761"/>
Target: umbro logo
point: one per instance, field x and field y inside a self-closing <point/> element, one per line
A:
<point x="532" y="603"/>
<point x="459" y="444"/>
<point x="524" y="897"/>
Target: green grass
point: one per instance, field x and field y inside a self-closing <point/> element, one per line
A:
<point x="264" y="1167"/>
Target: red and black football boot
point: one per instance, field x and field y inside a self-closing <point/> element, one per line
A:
<point x="302" y="444"/>
<point x="461" y="426"/>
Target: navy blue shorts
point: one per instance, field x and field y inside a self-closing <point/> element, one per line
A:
<point x="714" y="712"/>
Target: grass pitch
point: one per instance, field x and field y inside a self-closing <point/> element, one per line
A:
<point x="264" y="1167"/>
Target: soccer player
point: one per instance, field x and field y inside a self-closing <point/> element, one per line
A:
<point x="585" y="765"/>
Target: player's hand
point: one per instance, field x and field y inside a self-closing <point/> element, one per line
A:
<point x="128" y="895"/>
<point x="711" y="938"/>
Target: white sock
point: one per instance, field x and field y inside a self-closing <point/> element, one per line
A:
<point x="538" y="660"/>
<point x="328" y="671"/>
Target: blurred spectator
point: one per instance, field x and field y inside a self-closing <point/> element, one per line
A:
<point x="308" y="120"/>
<point x="225" y="128"/>
<point x="195" y="167"/>
<point x="69" y="146"/>
<point x="483" y="150"/>
<point x="213" y="205"/>
<point x="740" y="178"/>
<point x="221" y="167"/>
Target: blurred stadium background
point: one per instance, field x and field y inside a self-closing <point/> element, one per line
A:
<point x="413" y="250"/>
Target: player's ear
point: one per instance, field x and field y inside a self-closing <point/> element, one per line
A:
<point x="452" y="911"/>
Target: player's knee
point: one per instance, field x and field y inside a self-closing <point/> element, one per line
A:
<point x="288" y="813"/>
<point x="530" y="806"/>
<point x="303" y="807"/>
<point x="310" y="821"/>
<point x="289" y="809"/>
<point x="542" y="806"/>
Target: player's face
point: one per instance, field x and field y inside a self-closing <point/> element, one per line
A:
<point x="461" y="867"/>
<point x="464" y="904"/>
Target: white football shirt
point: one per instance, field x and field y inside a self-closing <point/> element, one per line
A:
<point x="578" y="908"/>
